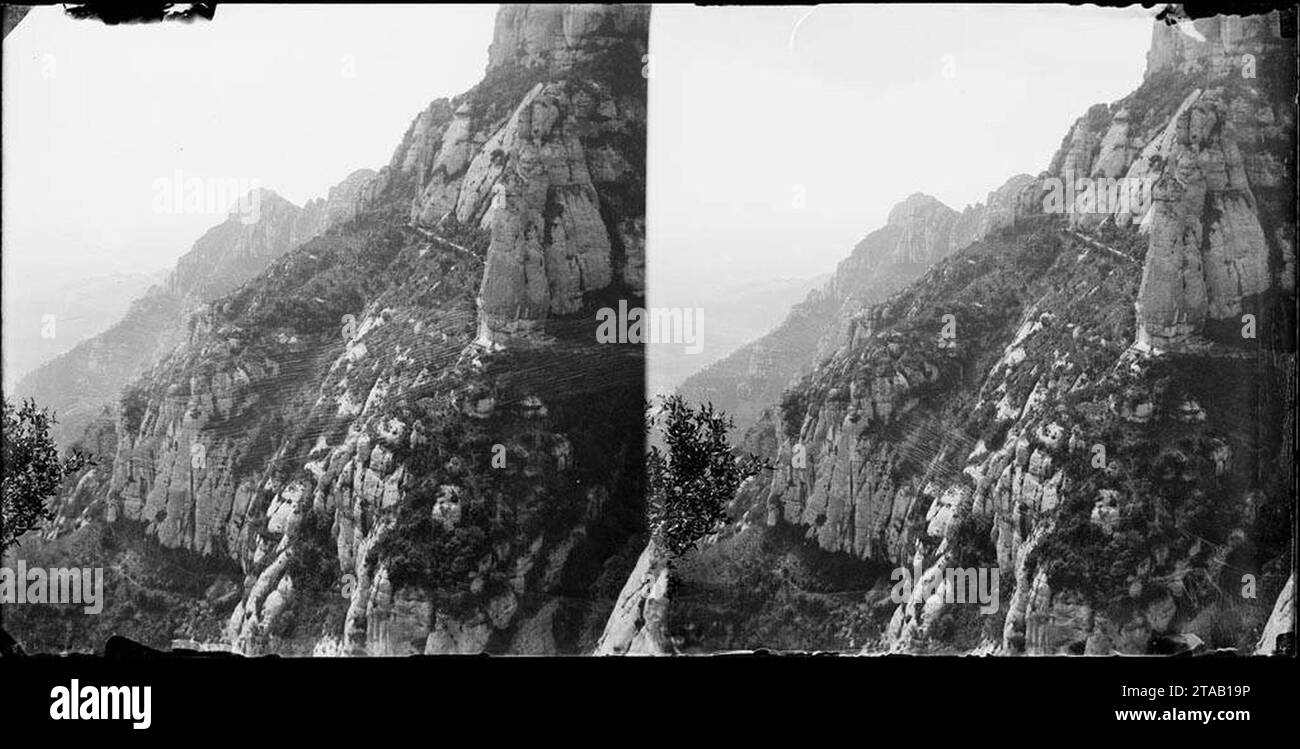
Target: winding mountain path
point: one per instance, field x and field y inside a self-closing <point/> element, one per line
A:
<point x="1094" y="243"/>
<point x="430" y="234"/>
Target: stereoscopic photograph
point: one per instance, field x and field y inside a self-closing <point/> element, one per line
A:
<point x="380" y="331"/>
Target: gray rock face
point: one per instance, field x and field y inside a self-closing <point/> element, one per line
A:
<point x="1281" y="621"/>
<point x="1000" y="210"/>
<point x="560" y="36"/>
<point x="339" y="206"/>
<point x="637" y="624"/>
<point x="234" y="250"/>
<point x="1199" y="168"/>
<point x="1187" y="172"/>
<point x="550" y="245"/>
<point x="925" y="229"/>
<point x="1207" y="249"/>
<point x="532" y="176"/>
<point x="1220" y="51"/>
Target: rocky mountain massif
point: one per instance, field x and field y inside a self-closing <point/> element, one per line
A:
<point x="919" y="232"/>
<point x="83" y="384"/>
<point x="402" y="436"/>
<point x="1096" y="400"/>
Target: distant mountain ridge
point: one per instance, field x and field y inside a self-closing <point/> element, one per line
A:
<point x="919" y="231"/>
<point x="81" y="383"/>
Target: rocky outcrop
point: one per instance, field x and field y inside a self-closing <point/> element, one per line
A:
<point x="637" y="624"/>
<point x="1281" y="623"/>
<point x="924" y="228"/>
<point x="550" y="245"/>
<point x="235" y="251"/>
<point x="338" y="207"/>
<point x="557" y="180"/>
<point x="1217" y="46"/>
<point x="1208" y="251"/>
<point x="1193" y="159"/>
<point x="562" y="36"/>
<point x="1003" y="207"/>
<point x="543" y="163"/>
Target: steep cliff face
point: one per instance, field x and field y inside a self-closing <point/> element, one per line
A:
<point x="1201" y="149"/>
<point x="547" y="157"/>
<point x="562" y="37"/>
<point x="1075" y="400"/>
<point x="637" y="625"/>
<point x="234" y="251"/>
<point x="1209" y="258"/>
<point x="395" y="462"/>
<point x="1222" y="46"/>
<point x="82" y="383"/>
<point x="919" y="232"/>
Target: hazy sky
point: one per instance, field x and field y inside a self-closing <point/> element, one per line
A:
<point x="289" y="97"/>
<point x="850" y="107"/>
<point x="295" y="96"/>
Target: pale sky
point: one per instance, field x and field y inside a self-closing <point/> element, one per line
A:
<point x="854" y="110"/>
<point x="288" y="97"/>
<point x="294" y="96"/>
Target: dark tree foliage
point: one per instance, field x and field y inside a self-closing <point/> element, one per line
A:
<point x="31" y="470"/>
<point x="314" y="565"/>
<point x="794" y="406"/>
<point x="691" y="483"/>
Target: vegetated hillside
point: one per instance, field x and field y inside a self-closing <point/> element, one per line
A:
<point x="403" y="434"/>
<point x="920" y="231"/>
<point x="1098" y="405"/>
<point x="84" y="383"/>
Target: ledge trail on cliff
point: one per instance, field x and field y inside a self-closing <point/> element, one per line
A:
<point x="1117" y="445"/>
<point x="402" y="436"/>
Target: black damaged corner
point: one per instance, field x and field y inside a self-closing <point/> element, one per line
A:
<point x="142" y="12"/>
